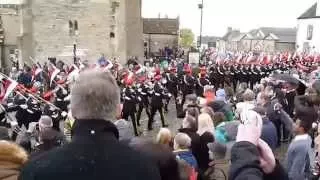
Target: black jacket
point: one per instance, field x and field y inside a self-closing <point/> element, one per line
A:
<point x="245" y="164"/>
<point x="94" y="153"/>
<point x="129" y="100"/>
<point x="204" y="159"/>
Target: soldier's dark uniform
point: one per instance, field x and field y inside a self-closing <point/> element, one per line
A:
<point x="220" y="76"/>
<point x="213" y="76"/>
<point x="172" y="84"/>
<point x="242" y="74"/>
<point x="60" y="101"/>
<point x="129" y="106"/>
<point x="202" y="82"/>
<point x="189" y="84"/>
<point x="142" y="97"/>
<point x="236" y="77"/>
<point x="55" y="115"/>
<point x="157" y="96"/>
<point x="254" y="76"/>
<point x="263" y="71"/>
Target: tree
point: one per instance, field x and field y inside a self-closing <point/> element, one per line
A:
<point x="186" y="38"/>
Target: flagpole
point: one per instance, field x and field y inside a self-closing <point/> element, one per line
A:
<point x="30" y="94"/>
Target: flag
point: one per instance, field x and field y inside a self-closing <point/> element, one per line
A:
<point x="250" y="59"/>
<point x="36" y="70"/>
<point x="7" y="87"/>
<point x="239" y="58"/>
<point x="108" y="66"/>
<point x="54" y="73"/>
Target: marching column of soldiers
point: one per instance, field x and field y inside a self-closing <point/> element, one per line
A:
<point x="154" y="94"/>
<point x="150" y="93"/>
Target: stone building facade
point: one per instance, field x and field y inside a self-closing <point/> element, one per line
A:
<point x="50" y="28"/>
<point x="264" y="39"/>
<point x="308" y="35"/>
<point x="160" y="33"/>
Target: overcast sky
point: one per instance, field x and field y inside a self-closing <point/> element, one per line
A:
<point x="219" y="14"/>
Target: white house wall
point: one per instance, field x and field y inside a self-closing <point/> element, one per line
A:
<point x="302" y="34"/>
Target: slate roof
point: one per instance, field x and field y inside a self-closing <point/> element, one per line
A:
<point x="207" y="39"/>
<point x="160" y="26"/>
<point x="238" y="37"/>
<point x="283" y="34"/>
<point x="310" y="13"/>
<point x="231" y="35"/>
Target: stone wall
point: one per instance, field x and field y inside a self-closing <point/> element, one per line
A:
<point x="268" y="46"/>
<point x="44" y="29"/>
<point x="11" y="28"/>
<point x="284" y="47"/>
<point x="134" y="27"/>
<point x="51" y="27"/>
<point x="159" y="41"/>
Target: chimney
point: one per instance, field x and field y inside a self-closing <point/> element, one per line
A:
<point x="159" y="16"/>
<point x="230" y="28"/>
<point x="318" y="8"/>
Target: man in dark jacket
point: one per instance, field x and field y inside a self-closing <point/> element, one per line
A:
<point x="95" y="152"/>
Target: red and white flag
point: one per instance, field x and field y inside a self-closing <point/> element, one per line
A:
<point x="7" y="86"/>
<point x="54" y="72"/>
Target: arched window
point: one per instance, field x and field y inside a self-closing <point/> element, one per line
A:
<point x="310" y="32"/>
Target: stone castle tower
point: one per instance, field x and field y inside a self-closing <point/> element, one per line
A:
<point x="109" y="27"/>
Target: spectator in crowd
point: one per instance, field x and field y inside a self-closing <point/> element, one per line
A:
<point x="165" y="138"/>
<point x="95" y="150"/>
<point x="182" y="144"/>
<point x="186" y="172"/>
<point x="218" y="153"/>
<point x="208" y="110"/>
<point x="194" y="112"/>
<point x="165" y="160"/>
<point x="299" y="155"/>
<point x="12" y="158"/>
<point x="189" y="127"/>
<point x="44" y="138"/>
<point x="220" y="134"/>
<point x="248" y="101"/>
<point x="4" y="134"/>
<point x="205" y="131"/>
<point x="275" y="113"/>
<point x="269" y="131"/>
<point x="222" y="106"/>
<point x="123" y="126"/>
<point x="252" y="158"/>
<point x="125" y="131"/>
<point x="190" y="103"/>
<point x="221" y="95"/>
<point x="242" y="88"/>
<point x="68" y="125"/>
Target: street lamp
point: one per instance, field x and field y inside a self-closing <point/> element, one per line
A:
<point x="200" y="6"/>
